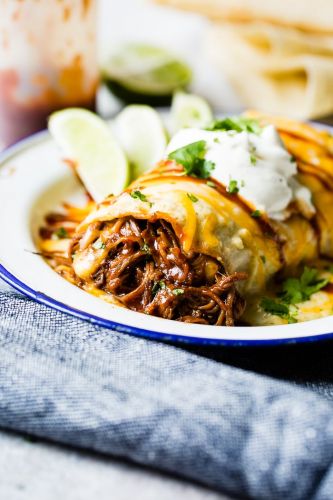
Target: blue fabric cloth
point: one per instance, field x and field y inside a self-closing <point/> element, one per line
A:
<point x="237" y="431"/>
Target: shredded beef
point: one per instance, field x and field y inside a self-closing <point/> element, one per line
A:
<point x="148" y="272"/>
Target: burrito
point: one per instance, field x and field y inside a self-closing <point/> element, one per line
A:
<point x="226" y="211"/>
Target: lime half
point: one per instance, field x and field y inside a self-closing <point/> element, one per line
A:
<point x="143" y="73"/>
<point x="189" y="110"/>
<point x="141" y="133"/>
<point x="88" y="140"/>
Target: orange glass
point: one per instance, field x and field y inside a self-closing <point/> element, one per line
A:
<point x="48" y="61"/>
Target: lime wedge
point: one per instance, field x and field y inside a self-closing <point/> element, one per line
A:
<point x="189" y="110"/>
<point x="141" y="133"/>
<point x="142" y="73"/>
<point x="88" y="141"/>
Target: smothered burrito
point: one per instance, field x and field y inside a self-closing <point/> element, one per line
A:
<point x="233" y="226"/>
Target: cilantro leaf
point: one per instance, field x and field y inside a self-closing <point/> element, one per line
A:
<point x="237" y="124"/>
<point x="140" y="196"/>
<point x="233" y="187"/>
<point x="295" y="290"/>
<point x="192" y="197"/>
<point x="145" y="248"/>
<point x="274" y="307"/>
<point x="158" y="285"/>
<point x="188" y="154"/>
<point x="277" y="309"/>
<point x="253" y="159"/>
<point x="192" y="157"/>
<point x="256" y="214"/>
<point x="203" y="169"/>
<point x="60" y="234"/>
<point x="211" y="184"/>
<point x="178" y="291"/>
<point x="99" y="245"/>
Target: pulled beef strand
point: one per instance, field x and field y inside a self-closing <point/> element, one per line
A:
<point x="148" y="272"/>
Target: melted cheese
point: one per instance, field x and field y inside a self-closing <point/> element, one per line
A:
<point x="190" y="226"/>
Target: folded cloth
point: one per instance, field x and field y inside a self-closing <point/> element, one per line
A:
<point x="276" y="69"/>
<point x="159" y="405"/>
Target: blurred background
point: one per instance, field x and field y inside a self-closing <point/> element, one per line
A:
<point x="273" y="55"/>
<point x="180" y="32"/>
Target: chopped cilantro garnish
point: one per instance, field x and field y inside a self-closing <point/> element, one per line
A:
<point x="192" y="197"/>
<point x="158" y="285"/>
<point x="253" y="154"/>
<point x="253" y="159"/>
<point x="178" y="291"/>
<point x="263" y="258"/>
<point x="233" y="187"/>
<point x="238" y="124"/>
<point x="274" y="307"/>
<point x="140" y="196"/>
<point x="192" y="159"/>
<point x="294" y="291"/>
<point x="292" y="159"/>
<point x="99" y="245"/>
<point x="60" y="234"/>
<point x="278" y="309"/>
<point x="211" y="184"/>
<point x="256" y="214"/>
<point x="145" y="248"/>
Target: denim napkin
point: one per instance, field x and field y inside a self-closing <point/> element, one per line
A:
<point x="162" y="406"/>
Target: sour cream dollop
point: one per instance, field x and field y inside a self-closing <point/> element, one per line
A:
<point x="263" y="169"/>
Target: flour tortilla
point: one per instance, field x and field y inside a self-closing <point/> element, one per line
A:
<point x="309" y="15"/>
<point x="275" y="69"/>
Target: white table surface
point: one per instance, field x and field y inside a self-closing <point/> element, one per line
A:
<point x="43" y="471"/>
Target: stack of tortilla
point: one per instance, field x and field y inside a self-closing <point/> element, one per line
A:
<point x="277" y="54"/>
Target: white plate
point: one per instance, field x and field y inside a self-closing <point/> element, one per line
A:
<point x="33" y="181"/>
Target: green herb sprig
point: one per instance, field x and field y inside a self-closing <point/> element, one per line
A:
<point x="237" y="124"/>
<point x="233" y="187"/>
<point x="277" y="309"/>
<point x="99" y="245"/>
<point x="145" y="248"/>
<point x="140" y="196"/>
<point x="192" y="158"/>
<point x="211" y="184"/>
<point x="60" y="234"/>
<point x="193" y="198"/>
<point x="294" y="291"/>
<point x="158" y="285"/>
